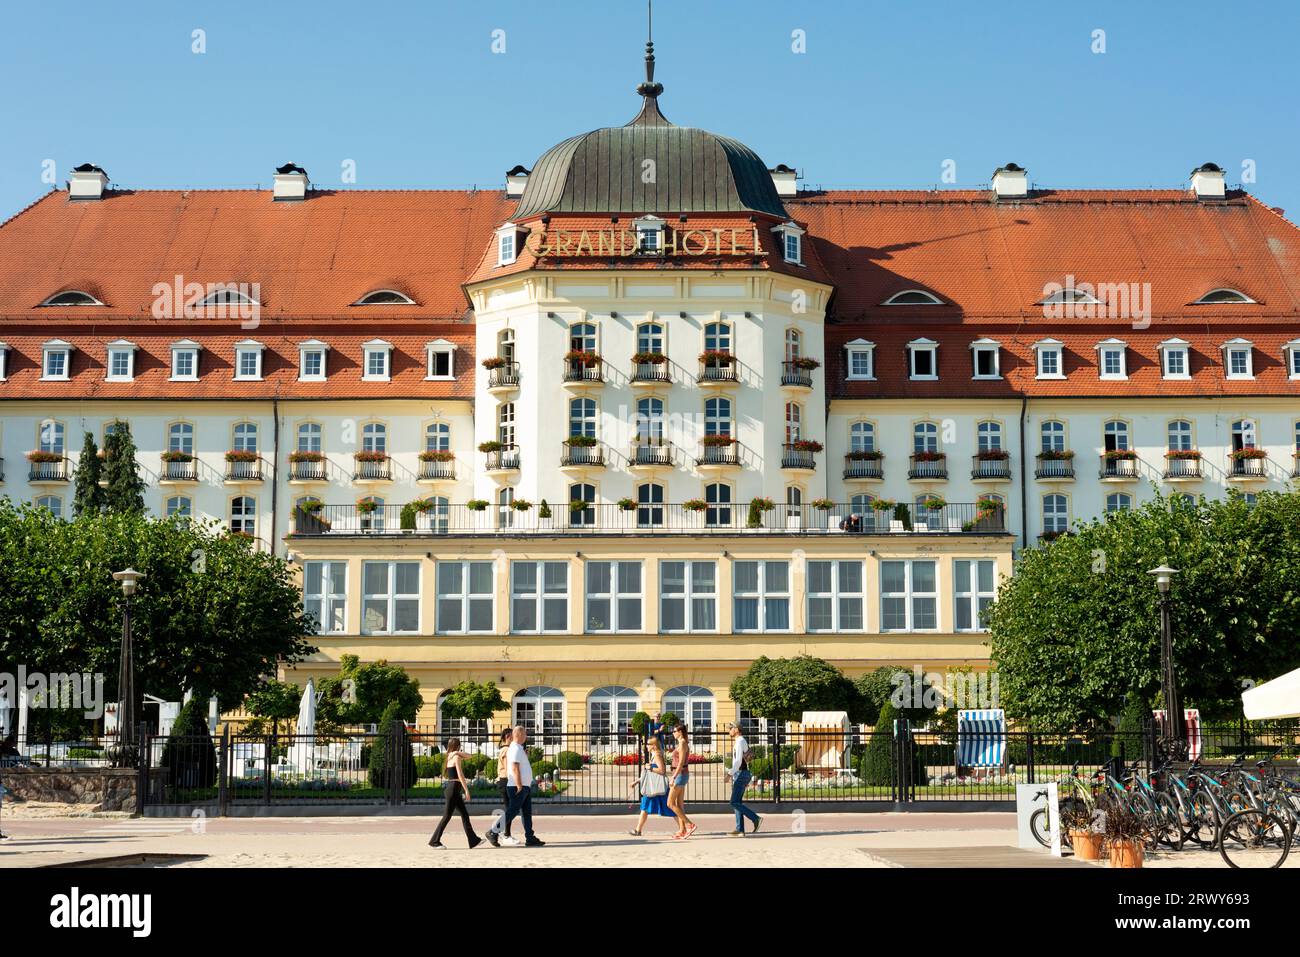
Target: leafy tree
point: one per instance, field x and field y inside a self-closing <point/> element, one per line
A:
<point x="379" y="748"/>
<point x="470" y="699"/>
<point x="359" y="694"/>
<point x="125" y="489"/>
<point x="876" y="767"/>
<point x="1077" y="628"/>
<point x="276" y="701"/>
<point x="781" y="689"/>
<point x="189" y="759"/>
<point x="88" y="499"/>
<point x="1132" y="722"/>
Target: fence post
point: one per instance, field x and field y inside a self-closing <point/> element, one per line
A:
<point x="1029" y="758"/>
<point x="269" y="746"/>
<point x="223" y="773"/>
<point x="774" y="734"/>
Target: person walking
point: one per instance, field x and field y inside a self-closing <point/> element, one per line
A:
<point x="499" y="825"/>
<point x="681" y="775"/>
<point x="740" y="778"/>
<point x="519" y="787"/>
<point x="456" y="791"/>
<point x="654" y="787"/>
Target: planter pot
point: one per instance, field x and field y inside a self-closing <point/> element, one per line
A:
<point x="1087" y="846"/>
<point x="1126" y="854"/>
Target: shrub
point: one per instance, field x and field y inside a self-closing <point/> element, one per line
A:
<point x="761" y="768"/>
<point x="408" y="515"/>
<point x="474" y="764"/>
<point x="638" y="722"/>
<point x="429" y="766"/>
<point x="189" y="760"/>
<point x="569" y="761"/>
<point x="379" y="768"/>
<point x="534" y="755"/>
<point x="542" y="768"/>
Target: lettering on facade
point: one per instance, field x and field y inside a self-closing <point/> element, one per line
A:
<point x="614" y="242"/>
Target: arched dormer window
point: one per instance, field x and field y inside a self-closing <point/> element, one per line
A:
<point x="913" y="297"/>
<point x="385" y="297"/>
<point x="1222" y="296"/>
<point x="1069" y="296"/>
<point x="72" y="297"/>
<point x="226" y="296"/>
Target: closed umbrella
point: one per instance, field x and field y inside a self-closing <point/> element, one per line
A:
<point x="306" y="730"/>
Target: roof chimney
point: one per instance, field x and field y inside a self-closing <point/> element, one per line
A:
<point x="1010" y="182"/>
<point x="1207" y="182"/>
<point x="88" y="182"/>
<point x="290" y="182"/>
<point x="783" y="178"/>
<point x="516" y="180"/>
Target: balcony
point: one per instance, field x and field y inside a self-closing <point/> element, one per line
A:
<point x="647" y="372"/>
<point x="650" y="454"/>
<point x="798" y="456"/>
<point x="990" y="467"/>
<point x="437" y="467"/>
<point x="243" y="470"/>
<point x="797" y="374"/>
<point x="179" y="471"/>
<point x="717" y="370"/>
<point x="372" y="467"/>
<point x="657" y="519"/>
<point x="718" y="452"/>
<point x="864" y="467"/>
<point x="1119" y="467"/>
<point x="1248" y="465"/>
<point x="47" y="467"/>
<point x="928" y="466"/>
<point x="502" y="378"/>
<point x="1182" y="467"/>
<point x="303" y="471"/>
<point x="1054" y="467"/>
<point x="585" y="454"/>
<point x="583" y="369"/>
<point x="502" y="460"/>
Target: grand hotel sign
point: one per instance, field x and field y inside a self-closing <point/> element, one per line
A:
<point x="616" y="242"/>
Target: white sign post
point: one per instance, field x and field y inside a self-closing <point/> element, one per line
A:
<point x="1030" y="799"/>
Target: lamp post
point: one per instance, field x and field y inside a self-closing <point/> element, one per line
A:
<point x="1173" y="742"/>
<point x="126" y="696"/>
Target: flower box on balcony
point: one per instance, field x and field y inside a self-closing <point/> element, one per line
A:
<point x="240" y="456"/>
<point x="371" y="456"/>
<point x="578" y="505"/>
<point x="493" y="362"/>
<point x="311" y="506"/>
<point x="44" y="457"/>
<point x="882" y="505"/>
<point x="492" y="446"/>
<point x="1121" y="455"/>
<point x="806" y="445"/>
<point x="521" y="505"/>
<point x="716" y="357"/>
<point x="582" y="441"/>
<point x="717" y="441"/>
<point x="993" y="455"/>
<point x="807" y="363"/>
<point x="649" y="358"/>
<point x="863" y="455"/>
<point x="626" y="505"/>
<point x="177" y="457"/>
<point x="695" y="505"/>
<point x="306" y="456"/>
<point x="1184" y="454"/>
<point x="1055" y="455"/>
<point x="477" y="505"/>
<point x="437" y="455"/>
<point x="934" y="503"/>
<point x="822" y="504"/>
<point x="365" y="506"/>
<point x="1238" y="455"/>
<point x="928" y="456"/>
<point x="582" y="358"/>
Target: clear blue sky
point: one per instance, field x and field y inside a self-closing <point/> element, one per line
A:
<point x="884" y="94"/>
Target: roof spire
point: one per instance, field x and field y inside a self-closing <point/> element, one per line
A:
<point x="649" y="89"/>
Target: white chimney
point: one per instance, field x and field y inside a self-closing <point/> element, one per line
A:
<point x="1010" y="182"/>
<point x="1207" y="182"/>
<point x="88" y="182"/>
<point x="783" y="178"/>
<point x="290" y="182"/>
<point x="516" y="180"/>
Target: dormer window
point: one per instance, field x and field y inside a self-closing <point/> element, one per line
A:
<point x="1112" y="359"/>
<point x="1290" y="350"/>
<point x="923" y="359"/>
<point x="1050" y="354"/>
<point x="441" y="356"/>
<point x="649" y="232"/>
<point x="860" y="359"/>
<point x="121" y="361"/>
<point x="248" y="360"/>
<point x="913" y="297"/>
<point x="1068" y="296"/>
<point x="791" y="242"/>
<point x="507" y="244"/>
<point x="185" y="361"/>
<point x="375" y="360"/>
<point x="1238" y="359"/>
<point x="385" y="297"/>
<point x="1222" y="296"/>
<point x="1174" y="359"/>
<point x="226" y="296"/>
<point x="72" y="297"/>
<point x="56" y="360"/>
<point x="312" y="359"/>
<point x="4" y="361"/>
<point x="986" y="356"/>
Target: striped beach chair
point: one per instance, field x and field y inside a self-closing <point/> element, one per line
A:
<point x="981" y="738"/>
<point x="1193" y="719"/>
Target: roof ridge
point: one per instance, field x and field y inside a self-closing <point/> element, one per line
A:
<point x="37" y="201"/>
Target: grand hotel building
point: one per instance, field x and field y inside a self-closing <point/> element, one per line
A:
<point x="650" y="410"/>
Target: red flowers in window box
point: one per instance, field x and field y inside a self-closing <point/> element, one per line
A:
<point x="716" y="357"/>
<point x="717" y="441"/>
<point x="582" y="358"/>
<point x="1249" y="453"/>
<point x="865" y="455"/>
<point x="806" y="445"/>
<point x="301" y="456"/>
<point x="39" y="456"/>
<point x="493" y="362"/>
<point x="371" y="456"/>
<point x="437" y="455"/>
<point x="1191" y="454"/>
<point x="239" y="455"/>
<point x="993" y="455"/>
<point x="928" y="456"/>
<point x="1120" y="455"/>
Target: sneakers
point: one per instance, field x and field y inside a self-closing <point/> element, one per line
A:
<point x="757" y="822"/>
<point x="475" y="843"/>
<point x="492" y="838"/>
<point x="735" y="834"/>
<point x="510" y="841"/>
<point x="534" y="842"/>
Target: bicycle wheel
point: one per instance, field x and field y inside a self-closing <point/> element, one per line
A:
<point x="1252" y="838"/>
<point x="1154" y="824"/>
<point x="1174" y="834"/>
<point x="1203" y="826"/>
<point x="1040" y="827"/>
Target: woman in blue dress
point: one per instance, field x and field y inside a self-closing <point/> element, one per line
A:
<point x="657" y="805"/>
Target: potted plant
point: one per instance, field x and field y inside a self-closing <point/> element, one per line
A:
<point x="992" y="455"/>
<point x="521" y="505"/>
<point x="695" y="505"/>
<point x="1123" y="832"/>
<point x="806" y="445"/>
<point x="406" y="519"/>
<point x="581" y="357"/>
<point x="756" y="509"/>
<point x="717" y="441"/>
<point x="166" y="457"/>
<point x="1189" y="454"/>
<point x="39" y="456"/>
<point x="649" y="358"/>
<point x="822" y="504"/>
<point x="927" y="456"/>
<point x="423" y="505"/>
<point x="578" y="506"/>
<point x="1055" y="455"/>
<point x="934" y="503"/>
<point x="807" y="363"/>
<point x="477" y="504"/>
<point x="1120" y="455"/>
<point x="581" y="441"/>
<point x="370" y="456"/>
<point x="493" y="362"/>
<point x="437" y="455"/>
<point x="302" y="456"/>
<point x="240" y="455"/>
<point x="865" y="455"/>
<point x="367" y="505"/>
<point x="1248" y="453"/>
<point x="716" y="357"/>
<point x="544" y="511"/>
<point x="1085" y="830"/>
<point x="311" y="506"/>
<point x="491" y="446"/>
<point x="626" y="505"/>
<point x="882" y="504"/>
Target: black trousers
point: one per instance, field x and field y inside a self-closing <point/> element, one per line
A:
<point x="502" y="826"/>
<point x="455" y="804"/>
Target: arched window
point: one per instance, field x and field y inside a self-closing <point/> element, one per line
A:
<point x="178" y="505"/>
<point x="609" y="714"/>
<point x="717" y="337"/>
<point x="1053" y="436"/>
<point x="437" y="437"/>
<point x="1119" y="502"/>
<point x="505" y="508"/>
<point x="925" y="437"/>
<point x="989" y="436"/>
<point x="473" y="732"/>
<point x="540" y="709"/>
<point x="1180" y="436"/>
<point x="582" y="417"/>
<point x="373" y="521"/>
<point x="52" y="504"/>
<point x="226" y="297"/>
<point x="582" y="337"/>
<point x="793" y="345"/>
<point x="72" y="297"/>
<point x="650" y="421"/>
<point x="994" y="498"/>
<point x="717" y="495"/>
<point x="1056" y="515"/>
<point x="51" y="436"/>
<point x="180" y="438"/>
<point x="1063" y="296"/>
<point x="862" y="437"/>
<point x="793" y="422"/>
<point x="649" y="505"/>
<point x="506" y="424"/>
<point x="309" y="437"/>
<point x="506" y="344"/>
<point x="243" y="515"/>
<point x="582" y="492"/>
<point x="694" y="706"/>
<point x="717" y="416"/>
<point x="913" y="297"/>
<point x="245" y="437"/>
<point x="374" y="437"/>
<point x="1115" y="435"/>
<point x="1221" y="296"/>
<point x="385" y="297"/>
<point x="650" y="338"/>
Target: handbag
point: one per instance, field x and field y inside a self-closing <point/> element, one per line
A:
<point x="653" y="784"/>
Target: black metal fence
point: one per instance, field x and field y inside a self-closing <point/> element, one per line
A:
<point x="907" y="768"/>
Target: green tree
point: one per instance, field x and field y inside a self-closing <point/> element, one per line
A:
<point x="276" y="701"/>
<point x="379" y="751"/>
<point x="470" y="699"/>
<point x="88" y="499"/>
<point x="125" y="489"/>
<point x="359" y="694"/>
<point x="1132" y="722"/>
<point x="781" y="689"/>
<point x="1077" y="627"/>
<point x="189" y="759"/>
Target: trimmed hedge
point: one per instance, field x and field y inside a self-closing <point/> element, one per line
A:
<point x="569" y="761"/>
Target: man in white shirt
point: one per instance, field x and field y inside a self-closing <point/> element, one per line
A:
<point x="740" y="778"/>
<point x="519" y="787"/>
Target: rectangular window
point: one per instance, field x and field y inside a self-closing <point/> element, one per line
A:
<point x="761" y="595"/>
<point x="613" y="596"/>
<point x="539" y="597"/>
<point x="506" y="249"/>
<point x="835" y="596"/>
<point x="973" y="593"/>
<point x="908" y="596"/>
<point x="248" y="364"/>
<point x="465" y="597"/>
<point x="1239" y="363"/>
<point x="56" y="364"/>
<point x="440" y="363"/>
<point x="1295" y="363"/>
<point x="325" y="595"/>
<point x="1049" y="362"/>
<point x="390" y="598"/>
<point x="376" y="364"/>
<point x="119" y="364"/>
<point x="313" y="364"/>
<point x="792" y="252"/>
<point x="1112" y="363"/>
<point x="922" y="363"/>
<point x="986" y="363"/>
<point x="185" y="364"/>
<point x="1175" y="363"/>
<point x="860" y="364"/>
<point x="688" y="596"/>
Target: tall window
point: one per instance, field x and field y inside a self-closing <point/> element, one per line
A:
<point x="245" y="437"/>
<point x="614" y="592"/>
<point x="835" y="596"/>
<point x="51" y="436"/>
<point x="717" y="416"/>
<point x="243" y="515"/>
<point x="1180" y="436"/>
<point x="52" y="504"/>
<point x="793" y="422"/>
<point x="1056" y="514"/>
<point x="374" y="437"/>
<point x="609" y="712"/>
<point x="1243" y="434"/>
<point x="862" y="437"/>
<point x="925" y="437"/>
<point x="464" y="598"/>
<point x="582" y="492"/>
<point x="1115" y="436"/>
<point x="390" y="598"/>
<point x="717" y="337"/>
<point x="325" y="595"/>
<point x="506" y="424"/>
<point x="582" y="417"/>
<point x="505" y="508"/>
<point x="1119" y="502"/>
<point x="437" y="437"/>
<point x="309" y="437"/>
<point x="973" y="592"/>
<point x="793" y="345"/>
<point x="989" y="436"/>
<point x="540" y="709"/>
<point x="649" y="505"/>
<point x="1053" y="436"/>
<point x="650" y="420"/>
<point x="582" y="337"/>
<point x="908" y="596"/>
<point x="694" y="705"/>
<point x="650" y="338"/>
<point x="539" y="597"/>
<point x="688" y="596"/>
<point x="180" y="438"/>
<point x="717" y="497"/>
<point x="506" y="345"/>
<point x="761" y="595"/>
